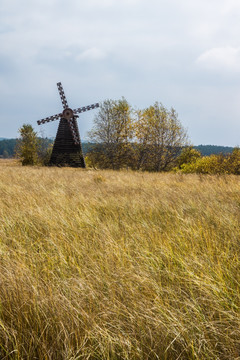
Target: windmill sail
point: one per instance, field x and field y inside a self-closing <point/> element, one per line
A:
<point x="67" y="148"/>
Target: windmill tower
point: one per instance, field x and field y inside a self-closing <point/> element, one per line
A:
<point x="67" y="148"/>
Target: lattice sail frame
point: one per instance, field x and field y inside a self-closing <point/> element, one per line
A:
<point x="68" y="114"/>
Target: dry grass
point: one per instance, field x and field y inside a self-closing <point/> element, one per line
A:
<point x="118" y="265"/>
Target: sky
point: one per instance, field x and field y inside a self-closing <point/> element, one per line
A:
<point x="182" y="53"/>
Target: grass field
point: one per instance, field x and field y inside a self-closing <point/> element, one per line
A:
<point x="118" y="265"/>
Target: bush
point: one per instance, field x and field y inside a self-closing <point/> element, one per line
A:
<point x="214" y="164"/>
<point x="188" y="155"/>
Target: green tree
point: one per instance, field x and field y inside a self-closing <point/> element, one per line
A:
<point x="27" y="146"/>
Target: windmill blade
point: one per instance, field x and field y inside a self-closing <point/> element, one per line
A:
<point x="62" y="95"/>
<point x="85" y="108"/>
<point x="49" y="118"/>
<point x="73" y="128"/>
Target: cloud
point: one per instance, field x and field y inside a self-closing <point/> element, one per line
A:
<point x="91" y="54"/>
<point x="221" y="59"/>
<point x="145" y="50"/>
<point x="107" y="3"/>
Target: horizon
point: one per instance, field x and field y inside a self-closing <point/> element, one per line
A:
<point x="87" y="141"/>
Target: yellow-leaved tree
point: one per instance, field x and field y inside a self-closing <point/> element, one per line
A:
<point x="160" y="137"/>
<point x="111" y="135"/>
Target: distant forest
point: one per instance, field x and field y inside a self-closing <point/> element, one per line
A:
<point x="7" y="148"/>
<point x="207" y="150"/>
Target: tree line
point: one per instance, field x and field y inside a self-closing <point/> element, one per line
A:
<point x="148" y="139"/>
<point x="8" y="146"/>
<point x="152" y="139"/>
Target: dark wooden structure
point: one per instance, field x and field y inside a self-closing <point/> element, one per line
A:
<point x="67" y="148"/>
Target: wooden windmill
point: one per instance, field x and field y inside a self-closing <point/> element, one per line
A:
<point x="67" y="148"/>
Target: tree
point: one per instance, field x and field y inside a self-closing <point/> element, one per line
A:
<point x="160" y="137"/>
<point x="112" y="132"/>
<point x="233" y="162"/>
<point x="27" y="146"/>
<point x="149" y="140"/>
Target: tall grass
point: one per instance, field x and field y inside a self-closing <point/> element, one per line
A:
<point x="118" y="265"/>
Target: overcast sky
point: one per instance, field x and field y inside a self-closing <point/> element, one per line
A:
<point x="183" y="53"/>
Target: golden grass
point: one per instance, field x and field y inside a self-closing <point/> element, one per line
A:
<point x="118" y="265"/>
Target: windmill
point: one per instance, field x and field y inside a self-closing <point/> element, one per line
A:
<point x="67" y="148"/>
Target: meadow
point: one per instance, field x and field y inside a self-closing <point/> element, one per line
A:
<point x="118" y="265"/>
